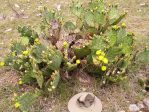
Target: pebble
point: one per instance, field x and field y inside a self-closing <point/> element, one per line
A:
<point x="16" y="5"/>
<point x="133" y="108"/>
<point x="58" y="7"/>
<point x="140" y="105"/>
<point x="38" y="15"/>
<point x="8" y="30"/>
<point x="2" y="17"/>
<point x="84" y="89"/>
<point x="22" y="10"/>
<point x="121" y="111"/>
<point x="146" y="102"/>
<point x="144" y="5"/>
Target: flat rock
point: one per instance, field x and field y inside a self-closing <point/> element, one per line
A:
<point x="146" y="102"/>
<point x="140" y="105"/>
<point x="133" y="108"/>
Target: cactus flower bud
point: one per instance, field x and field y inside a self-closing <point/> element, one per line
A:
<point x="124" y="25"/>
<point x="17" y="105"/>
<point x="105" y="60"/>
<point x="96" y="8"/>
<point x="37" y="41"/>
<point x="13" y="53"/>
<point x="65" y="44"/>
<point x="26" y="52"/>
<point x="115" y="27"/>
<point x="98" y="52"/>
<point x="103" y="68"/>
<point x="2" y="63"/>
<point x="100" y="58"/>
<point x="91" y="10"/>
<point x="78" y="61"/>
<point x="20" y="82"/>
<point x="103" y="54"/>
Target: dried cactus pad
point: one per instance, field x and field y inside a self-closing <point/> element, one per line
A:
<point x="85" y="102"/>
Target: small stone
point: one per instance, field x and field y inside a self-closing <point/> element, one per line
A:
<point x="22" y="10"/>
<point x="58" y="7"/>
<point x="2" y="17"/>
<point x="133" y="108"/>
<point x="144" y="5"/>
<point x="8" y="30"/>
<point x="140" y="105"/>
<point x="84" y="89"/>
<point x="144" y="91"/>
<point x="146" y="102"/>
<point x="39" y="14"/>
<point x="39" y="7"/>
<point x="121" y="111"/>
<point x="16" y="5"/>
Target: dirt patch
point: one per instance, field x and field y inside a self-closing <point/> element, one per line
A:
<point x="138" y="25"/>
<point x="8" y="77"/>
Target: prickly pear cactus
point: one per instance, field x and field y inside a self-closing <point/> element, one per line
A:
<point x="97" y="43"/>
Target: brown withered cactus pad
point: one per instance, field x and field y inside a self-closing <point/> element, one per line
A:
<point x="84" y="102"/>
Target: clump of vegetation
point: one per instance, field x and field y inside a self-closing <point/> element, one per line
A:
<point x="97" y="43"/>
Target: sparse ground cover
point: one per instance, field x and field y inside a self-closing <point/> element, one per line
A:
<point x="114" y="98"/>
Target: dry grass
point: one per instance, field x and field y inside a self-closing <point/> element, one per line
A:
<point x="114" y="98"/>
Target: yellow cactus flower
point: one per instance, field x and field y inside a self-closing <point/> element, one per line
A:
<point x="105" y="60"/>
<point x="2" y="63"/>
<point x="100" y="58"/>
<point x="115" y="27"/>
<point x="103" y="54"/>
<point x="17" y="105"/>
<point x="98" y="52"/>
<point x="20" y="82"/>
<point x="123" y="25"/>
<point x="103" y="68"/>
<point x="78" y="61"/>
<point x="26" y="52"/>
<point x="65" y="44"/>
<point x="37" y="41"/>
